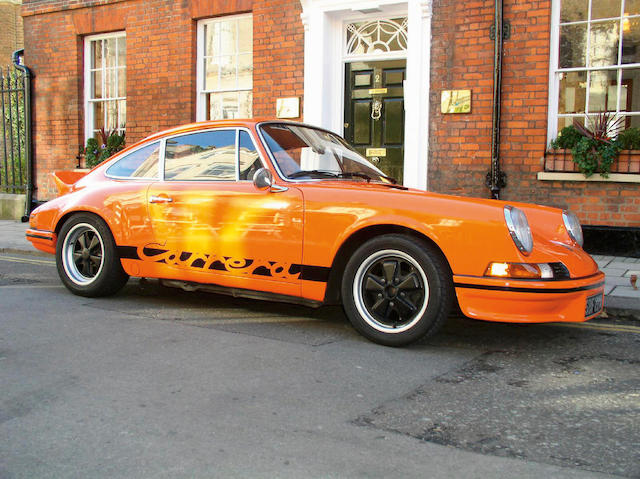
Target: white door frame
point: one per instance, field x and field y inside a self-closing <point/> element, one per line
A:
<point x="324" y="22"/>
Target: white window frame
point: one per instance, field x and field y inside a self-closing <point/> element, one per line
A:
<point x="201" y="112"/>
<point x="554" y="81"/>
<point x="88" y="112"/>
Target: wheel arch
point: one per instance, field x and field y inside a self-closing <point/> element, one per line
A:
<point x="357" y="238"/>
<point x="68" y="214"/>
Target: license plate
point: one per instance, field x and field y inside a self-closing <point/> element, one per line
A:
<point x="594" y="305"/>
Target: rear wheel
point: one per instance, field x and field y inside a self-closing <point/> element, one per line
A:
<point x="87" y="259"/>
<point x="396" y="290"/>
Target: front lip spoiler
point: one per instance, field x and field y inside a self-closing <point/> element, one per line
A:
<point x="591" y="282"/>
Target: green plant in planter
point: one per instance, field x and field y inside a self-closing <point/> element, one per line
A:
<point x="95" y="152"/>
<point x="629" y="139"/>
<point x="568" y="138"/>
<point x="595" y="152"/>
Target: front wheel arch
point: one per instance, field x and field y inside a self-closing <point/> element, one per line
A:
<point x="333" y="293"/>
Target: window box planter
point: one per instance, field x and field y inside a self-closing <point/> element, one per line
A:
<point x="628" y="161"/>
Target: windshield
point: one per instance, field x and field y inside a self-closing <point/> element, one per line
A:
<point x="305" y="152"/>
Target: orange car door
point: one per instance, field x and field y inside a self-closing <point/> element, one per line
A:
<point x="210" y="224"/>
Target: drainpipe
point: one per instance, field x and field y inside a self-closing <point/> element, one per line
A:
<point x="496" y="179"/>
<point x="27" y="130"/>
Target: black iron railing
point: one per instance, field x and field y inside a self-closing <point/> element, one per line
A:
<point x="14" y="165"/>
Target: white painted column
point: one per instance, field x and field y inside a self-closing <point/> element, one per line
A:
<point x="416" y="93"/>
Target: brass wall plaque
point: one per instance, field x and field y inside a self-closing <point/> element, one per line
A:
<point x="455" y="101"/>
<point x="376" y="152"/>
<point x="288" y="107"/>
<point x="377" y="91"/>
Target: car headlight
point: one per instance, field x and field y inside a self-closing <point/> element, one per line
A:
<point x="572" y="223"/>
<point x="519" y="228"/>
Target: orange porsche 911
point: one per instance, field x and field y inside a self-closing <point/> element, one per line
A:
<point x="287" y="211"/>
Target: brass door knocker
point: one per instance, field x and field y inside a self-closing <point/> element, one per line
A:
<point x="376" y="109"/>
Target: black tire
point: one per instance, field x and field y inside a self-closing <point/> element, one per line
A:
<point x="87" y="258"/>
<point x="415" y="304"/>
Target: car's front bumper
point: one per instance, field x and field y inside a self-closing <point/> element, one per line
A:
<point x="518" y="301"/>
<point x="42" y="240"/>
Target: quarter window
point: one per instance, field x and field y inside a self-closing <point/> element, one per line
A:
<point x="142" y="163"/>
<point x="105" y="83"/>
<point x="210" y="155"/>
<point x="595" y="61"/>
<point x="225" y="68"/>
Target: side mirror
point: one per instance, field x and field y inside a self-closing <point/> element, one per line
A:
<point x="263" y="181"/>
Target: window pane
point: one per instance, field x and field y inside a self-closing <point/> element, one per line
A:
<point x="111" y="83"/>
<point x="245" y="104"/>
<point x="631" y="40"/>
<point x="110" y="52"/>
<point x="574" y="10"/>
<point x="573" y="46"/>
<point x="573" y="92"/>
<point x="603" y="91"/>
<point x="96" y="79"/>
<point x="122" y="114"/>
<point x="98" y="115"/>
<point x="605" y="9"/>
<point x="565" y="121"/>
<point x="122" y="51"/>
<point x="630" y="90"/>
<point x="245" y="35"/>
<point x="201" y="156"/>
<point x="228" y="37"/>
<point x="122" y="82"/>
<point x="632" y="7"/>
<point x="142" y="163"/>
<point x="111" y="109"/>
<point x="96" y="54"/>
<point x="249" y="158"/>
<point x="212" y="74"/>
<point x="604" y="44"/>
<point x="224" y="106"/>
<point x="245" y="71"/>
<point x="228" y="73"/>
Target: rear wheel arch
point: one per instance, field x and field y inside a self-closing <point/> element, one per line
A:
<point x="349" y="246"/>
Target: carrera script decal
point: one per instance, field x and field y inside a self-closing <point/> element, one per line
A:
<point x="208" y="261"/>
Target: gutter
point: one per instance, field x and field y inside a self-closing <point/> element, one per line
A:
<point x="28" y="75"/>
<point x="496" y="179"/>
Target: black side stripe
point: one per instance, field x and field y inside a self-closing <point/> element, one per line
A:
<point x="529" y="290"/>
<point x="307" y="272"/>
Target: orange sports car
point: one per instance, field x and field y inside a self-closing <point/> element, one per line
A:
<point x="288" y="211"/>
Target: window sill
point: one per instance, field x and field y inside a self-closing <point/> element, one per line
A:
<point x="613" y="177"/>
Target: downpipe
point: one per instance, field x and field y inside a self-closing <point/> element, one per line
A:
<point x="28" y="75"/>
<point x="496" y="179"/>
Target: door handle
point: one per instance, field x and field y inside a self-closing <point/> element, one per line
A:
<point x="160" y="199"/>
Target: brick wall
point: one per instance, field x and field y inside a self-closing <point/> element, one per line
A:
<point x="11" y="37"/>
<point x="161" y="65"/>
<point x="460" y="149"/>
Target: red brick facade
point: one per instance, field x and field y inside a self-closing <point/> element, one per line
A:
<point x="460" y="145"/>
<point x="161" y="66"/>
<point x="161" y="89"/>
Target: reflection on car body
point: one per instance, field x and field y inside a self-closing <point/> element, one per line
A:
<point x="291" y="212"/>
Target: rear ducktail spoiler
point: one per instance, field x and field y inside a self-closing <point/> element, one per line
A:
<point x="66" y="179"/>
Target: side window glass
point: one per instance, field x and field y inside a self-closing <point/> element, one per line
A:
<point x="210" y="155"/>
<point x="142" y="163"/>
<point x="249" y="158"/>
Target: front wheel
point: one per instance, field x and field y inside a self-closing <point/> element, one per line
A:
<point x="87" y="259"/>
<point x="396" y="290"/>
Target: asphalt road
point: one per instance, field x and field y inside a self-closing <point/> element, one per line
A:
<point x="155" y="382"/>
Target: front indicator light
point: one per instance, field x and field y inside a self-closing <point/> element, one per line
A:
<point x="520" y="270"/>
